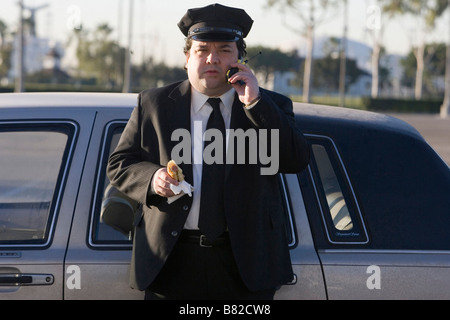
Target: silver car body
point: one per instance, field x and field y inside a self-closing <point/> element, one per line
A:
<point x="73" y="261"/>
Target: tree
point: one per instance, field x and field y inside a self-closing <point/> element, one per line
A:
<point x="327" y="69"/>
<point x="270" y="60"/>
<point x="151" y="74"/>
<point x="3" y="29"/>
<point x="5" y="50"/>
<point x="102" y="58"/>
<point x="98" y="55"/>
<point x="426" y="12"/>
<point x="376" y="24"/>
<point x="307" y="14"/>
<point x="434" y="67"/>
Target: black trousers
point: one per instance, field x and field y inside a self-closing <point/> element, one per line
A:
<point x="193" y="272"/>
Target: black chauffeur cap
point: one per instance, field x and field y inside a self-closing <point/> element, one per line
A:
<point x="215" y="23"/>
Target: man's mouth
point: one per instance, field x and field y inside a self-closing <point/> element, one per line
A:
<point x="212" y="72"/>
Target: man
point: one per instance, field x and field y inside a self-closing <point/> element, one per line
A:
<point x="228" y="240"/>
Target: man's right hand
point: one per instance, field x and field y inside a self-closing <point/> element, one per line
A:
<point x="161" y="183"/>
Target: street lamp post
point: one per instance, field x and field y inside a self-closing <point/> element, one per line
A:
<point x="127" y="76"/>
<point x="19" y="86"/>
<point x="343" y="66"/>
<point x="445" y="108"/>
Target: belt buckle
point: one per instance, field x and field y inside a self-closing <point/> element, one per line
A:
<point x="202" y="242"/>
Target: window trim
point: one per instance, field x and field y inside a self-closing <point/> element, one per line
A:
<point x="291" y="220"/>
<point x="351" y="190"/>
<point x="62" y="175"/>
<point x="113" y="245"/>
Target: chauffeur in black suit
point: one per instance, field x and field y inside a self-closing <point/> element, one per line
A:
<point x="228" y="240"/>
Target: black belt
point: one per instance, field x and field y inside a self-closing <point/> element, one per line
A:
<point x="196" y="237"/>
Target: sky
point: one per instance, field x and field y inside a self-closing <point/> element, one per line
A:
<point x="155" y="30"/>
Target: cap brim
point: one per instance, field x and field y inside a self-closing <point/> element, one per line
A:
<point x="215" y="37"/>
<point x="204" y="32"/>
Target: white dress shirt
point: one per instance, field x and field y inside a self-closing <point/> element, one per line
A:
<point x="200" y="112"/>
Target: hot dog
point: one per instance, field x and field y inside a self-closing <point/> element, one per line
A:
<point x="174" y="171"/>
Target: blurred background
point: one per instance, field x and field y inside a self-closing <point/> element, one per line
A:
<point x="383" y="55"/>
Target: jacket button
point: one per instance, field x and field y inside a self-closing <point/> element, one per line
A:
<point x="174" y="233"/>
<point x="185" y="207"/>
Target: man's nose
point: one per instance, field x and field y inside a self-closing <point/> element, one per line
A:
<point x="213" y="57"/>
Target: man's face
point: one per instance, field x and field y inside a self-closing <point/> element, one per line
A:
<point x="207" y="65"/>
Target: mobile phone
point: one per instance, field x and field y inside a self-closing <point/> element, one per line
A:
<point x="231" y="73"/>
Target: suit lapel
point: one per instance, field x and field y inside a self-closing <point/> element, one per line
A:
<point x="179" y="115"/>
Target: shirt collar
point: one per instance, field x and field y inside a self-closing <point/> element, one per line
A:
<point x="198" y="100"/>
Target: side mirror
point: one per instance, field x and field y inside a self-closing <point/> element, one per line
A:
<point x="118" y="210"/>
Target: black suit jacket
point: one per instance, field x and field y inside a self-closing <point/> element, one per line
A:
<point x="253" y="204"/>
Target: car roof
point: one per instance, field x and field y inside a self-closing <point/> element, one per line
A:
<point x="311" y="116"/>
<point x="314" y="117"/>
<point x="67" y="99"/>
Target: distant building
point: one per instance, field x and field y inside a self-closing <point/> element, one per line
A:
<point x="39" y="54"/>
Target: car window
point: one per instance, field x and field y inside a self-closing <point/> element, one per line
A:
<point x="32" y="160"/>
<point x="101" y="233"/>
<point x="335" y="201"/>
<point x="340" y="210"/>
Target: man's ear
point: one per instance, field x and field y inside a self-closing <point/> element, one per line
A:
<point x="187" y="60"/>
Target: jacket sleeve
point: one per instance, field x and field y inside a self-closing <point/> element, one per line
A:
<point x="129" y="170"/>
<point x="275" y="111"/>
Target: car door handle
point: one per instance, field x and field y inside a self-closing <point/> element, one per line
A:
<point x="29" y="279"/>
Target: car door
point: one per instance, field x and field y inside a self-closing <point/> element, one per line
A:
<point x="98" y="257"/>
<point x="308" y="282"/>
<point x="42" y="153"/>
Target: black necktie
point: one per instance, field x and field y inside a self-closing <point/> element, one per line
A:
<point x="212" y="216"/>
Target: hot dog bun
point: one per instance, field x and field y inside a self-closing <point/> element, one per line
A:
<point x="174" y="171"/>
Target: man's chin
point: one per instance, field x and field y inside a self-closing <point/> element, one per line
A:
<point x="215" y="88"/>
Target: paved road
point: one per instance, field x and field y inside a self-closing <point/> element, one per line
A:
<point x="433" y="128"/>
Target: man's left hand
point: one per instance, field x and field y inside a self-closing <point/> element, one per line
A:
<point x="249" y="91"/>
